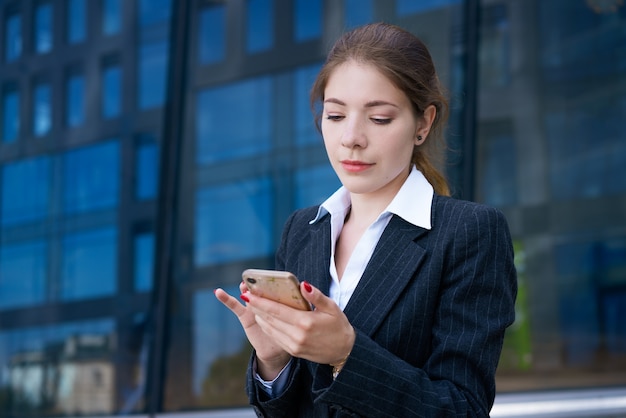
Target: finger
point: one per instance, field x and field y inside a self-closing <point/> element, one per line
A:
<point x="230" y="302"/>
<point x="318" y="299"/>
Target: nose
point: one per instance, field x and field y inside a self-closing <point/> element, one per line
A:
<point x="354" y="134"/>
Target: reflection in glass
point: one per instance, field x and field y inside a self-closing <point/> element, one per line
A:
<point x="234" y="121"/>
<point x="91" y="178"/>
<point x="77" y="21"/>
<point x="64" y="369"/>
<point x="220" y="352"/>
<point x="314" y="185"/>
<point x="260" y="21"/>
<point x="144" y="261"/>
<point x="233" y="222"/>
<point x="23" y="268"/>
<point x="152" y="77"/>
<point x="89" y="264"/>
<point x="25" y="194"/>
<point x="212" y="34"/>
<point x="43" y="28"/>
<point x="74" y="100"/>
<point x="13" y="37"/>
<point x="10" y="115"/>
<point x="307" y="20"/>
<point x="147" y="168"/>
<point x="111" y="91"/>
<point x="42" y="109"/>
<point x="111" y="16"/>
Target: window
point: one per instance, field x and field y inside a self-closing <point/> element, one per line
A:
<point x="111" y="91"/>
<point x="74" y="100"/>
<point x="314" y="185"/>
<point x="212" y="34"/>
<point x="91" y="178"/>
<point x="497" y="164"/>
<point x="77" y="21"/>
<point x="144" y="261"/>
<point x="13" y="37"/>
<point x="358" y="12"/>
<point x="26" y="189"/>
<point x="407" y="7"/>
<point x="307" y="20"/>
<point x="42" y="109"/>
<point x="241" y="112"/>
<point x="111" y="17"/>
<point x="233" y="222"/>
<point x="260" y="21"/>
<point x="305" y="131"/>
<point x="10" y="114"/>
<point x="494" y="47"/>
<point x="153" y="58"/>
<point x="23" y="269"/>
<point x="43" y="28"/>
<point x="147" y="168"/>
<point x="89" y="264"/>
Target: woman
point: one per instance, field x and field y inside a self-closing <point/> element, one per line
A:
<point x="412" y="289"/>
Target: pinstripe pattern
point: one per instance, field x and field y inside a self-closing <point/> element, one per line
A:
<point x="430" y="313"/>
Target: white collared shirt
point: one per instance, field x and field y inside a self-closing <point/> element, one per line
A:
<point x="412" y="203"/>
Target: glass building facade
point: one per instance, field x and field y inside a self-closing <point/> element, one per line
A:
<point x="151" y="150"/>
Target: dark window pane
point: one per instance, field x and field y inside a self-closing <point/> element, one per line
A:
<point x="212" y="35"/>
<point x="494" y="48"/>
<point x="111" y="91"/>
<point x="406" y="7"/>
<point x="152" y="74"/>
<point x="111" y="16"/>
<point x="305" y="131"/>
<point x="234" y="121"/>
<point x="144" y="261"/>
<point x="23" y="270"/>
<point x="314" y="185"/>
<point x="89" y="264"/>
<point x="218" y="238"/>
<point x="358" y="12"/>
<point x="260" y="25"/>
<point x="26" y="187"/>
<point x="91" y="178"/>
<point x="43" y="28"/>
<point x="308" y="20"/>
<point x="10" y="115"/>
<point x="147" y="172"/>
<point x="497" y="168"/>
<point x="42" y="111"/>
<point x="77" y="21"/>
<point x="74" y="105"/>
<point x="13" y="37"/>
<point x="153" y="12"/>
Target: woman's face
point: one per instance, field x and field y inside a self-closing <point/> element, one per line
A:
<point x="369" y="130"/>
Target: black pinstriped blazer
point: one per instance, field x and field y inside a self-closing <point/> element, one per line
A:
<point x="429" y="313"/>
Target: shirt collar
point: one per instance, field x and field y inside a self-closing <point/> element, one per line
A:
<point x="412" y="203"/>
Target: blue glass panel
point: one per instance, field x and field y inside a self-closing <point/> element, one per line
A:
<point x="233" y="222"/>
<point x="147" y="171"/>
<point x="13" y="37"/>
<point x="358" y="12"/>
<point x="234" y="121"/>
<point x="77" y="21"/>
<point x="153" y="12"/>
<point x="91" y="178"/>
<point x="304" y="129"/>
<point x="260" y="25"/>
<point x="111" y="16"/>
<point x="43" y="28"/>
<point x="314" y="185"/>
<point x="89" y="264"/>
<point x="212" y="34"/>
<point x="144" y="262"/>
<point x="10" y="115"/>
<point x="74" y="105"/>
<point x="152" y="74"/>
<point x="111" y="91"/>
<point x="406" y="7"/>
<point x="42" y="112"/>
<point x="308" y="20"/>
<point x="22" y="274"/>
<point x="499" y="172"/>
<point x="25" y="191"/>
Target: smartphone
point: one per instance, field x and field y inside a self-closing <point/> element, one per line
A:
<point x="280" y="286"/>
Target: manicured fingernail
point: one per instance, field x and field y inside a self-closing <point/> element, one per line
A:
<point x="244" y="298"/>
<point x="308" y="287"/>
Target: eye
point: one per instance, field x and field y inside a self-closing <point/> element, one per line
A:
<point x="381" y="121"/>
<point x="334" y="117"/>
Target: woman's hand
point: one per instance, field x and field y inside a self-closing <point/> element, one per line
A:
<point x="323" y="335"/>
<point x="271" y="358"/>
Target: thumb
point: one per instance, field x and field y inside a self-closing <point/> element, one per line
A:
<point x="316" y="298"/>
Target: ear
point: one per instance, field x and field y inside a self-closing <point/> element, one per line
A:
<point x="424" y="124"/>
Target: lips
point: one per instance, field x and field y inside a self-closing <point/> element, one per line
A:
<point x="354" y="166"/>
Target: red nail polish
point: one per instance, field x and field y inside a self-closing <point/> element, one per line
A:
<point x="308" y="287"/>
<point x="244" y="298"/>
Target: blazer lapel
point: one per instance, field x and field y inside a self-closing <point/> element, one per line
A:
<point x="316" y="256"/>
<point x="393" y="263"/>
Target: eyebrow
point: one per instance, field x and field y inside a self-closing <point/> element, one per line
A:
<point x="372" y="103"/>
